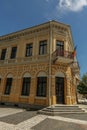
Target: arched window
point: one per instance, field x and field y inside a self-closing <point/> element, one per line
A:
<point x="8" y="84"/>
<point x="26" y="84"/>
<point x="60" y="74"/>
<point x="41" y="84"/>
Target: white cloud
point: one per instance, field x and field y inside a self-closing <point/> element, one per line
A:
<point x="56" y="9"/>
<point x="72" y="5"/>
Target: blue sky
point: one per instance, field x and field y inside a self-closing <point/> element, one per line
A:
<point x="19" y="14"/>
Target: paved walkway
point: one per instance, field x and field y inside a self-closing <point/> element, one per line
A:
<point x="5" y="111"/>
<point x="19" y="119"/>
<point x="52" y="124"/>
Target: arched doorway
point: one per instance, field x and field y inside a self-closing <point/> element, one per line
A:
<point x="59" y="82"/>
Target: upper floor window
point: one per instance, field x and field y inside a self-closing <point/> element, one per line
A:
<point x="60" y="47"/>
<point x="29" y="49"/>
<point x="43" y="47"/>
<point x="3" y="54"/>
<point x="13" y="52"/>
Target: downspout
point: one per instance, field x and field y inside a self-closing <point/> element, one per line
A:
<point x="50" y="57"/>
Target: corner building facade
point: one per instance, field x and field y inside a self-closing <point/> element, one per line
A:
<point x="38" y="66"/>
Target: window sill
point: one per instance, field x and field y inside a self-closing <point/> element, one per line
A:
<point x="37" y="97"/>
<point x="6" y="95"/>
<point x="42" y="55"/>
<point x="28" y="56"/>
<point x="24" y="96"/>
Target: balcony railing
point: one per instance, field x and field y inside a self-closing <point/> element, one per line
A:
<point x="63" y="53"/>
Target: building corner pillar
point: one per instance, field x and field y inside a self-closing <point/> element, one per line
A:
<point x="68" y="91"/>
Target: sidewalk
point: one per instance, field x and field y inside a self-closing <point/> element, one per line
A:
<point x="20" y="119"/>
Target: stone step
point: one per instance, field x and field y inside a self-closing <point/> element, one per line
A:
<point x="57" y="113"/>
<point x="61" y="109"/>
<point x="67" y="106"/>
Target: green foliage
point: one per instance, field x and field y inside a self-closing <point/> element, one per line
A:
<point x="82" y="87"/>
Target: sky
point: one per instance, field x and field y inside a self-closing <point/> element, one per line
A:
<point x="20" y="14"/>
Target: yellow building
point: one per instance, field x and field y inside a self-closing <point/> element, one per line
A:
<point x="38" y="66"/>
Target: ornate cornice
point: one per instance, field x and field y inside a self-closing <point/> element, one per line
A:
<point x="62" y="28"/>
<point x="22" y="33"/>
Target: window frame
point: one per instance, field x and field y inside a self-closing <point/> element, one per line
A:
<point x="26" y="86"/>
<point x="0" y="81"/>
<point x="13" y="52"/>
<point x="3" y="54"/>
<point x="29" y="49"/>
<point x="43" y="47"/>
<point x="8" y="86"/>
<point x="41" y="91"/>
<point x="60" y="47"/>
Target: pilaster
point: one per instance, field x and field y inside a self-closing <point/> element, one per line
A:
<point x="33" y="90"/>
<point x="68" y="90"/>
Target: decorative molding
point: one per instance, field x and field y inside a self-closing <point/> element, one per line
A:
<point x="46" y="26"/>
<point x="17" y="35"/>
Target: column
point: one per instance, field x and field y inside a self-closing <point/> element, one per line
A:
<point x="16" y="90"/>
<point x="32" y="90"/>
<point x="68" y="90"/>
<point x="53" y="94"/>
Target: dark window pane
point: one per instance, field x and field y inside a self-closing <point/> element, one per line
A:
<point x="43" y="47"/>
<point x="3" y="54"/>
<point x="29" y="49"/>
<point x="13" y="52"/>
<point x="26" y="86"/>
<point x="41" y="86"/>
<point x="0" y="81"/>
<point x="60" y="48"/>
<point x="8" y="86"/>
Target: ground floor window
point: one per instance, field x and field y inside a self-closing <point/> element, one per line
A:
<point x="8" y="86"/>
<point x="26" y="86"/>
<point x="41" y="86"/>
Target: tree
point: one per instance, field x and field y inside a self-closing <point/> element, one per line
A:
<point x="82" y="87"/>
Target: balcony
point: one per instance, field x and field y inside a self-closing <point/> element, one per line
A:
<point x="75" y="67"/>
<point x="62" y="56"/>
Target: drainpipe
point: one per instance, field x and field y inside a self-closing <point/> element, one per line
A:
<point x="50" y="50"/>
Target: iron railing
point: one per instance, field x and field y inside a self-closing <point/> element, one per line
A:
<point x="63" y="53"/>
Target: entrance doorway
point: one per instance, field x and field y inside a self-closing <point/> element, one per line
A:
<point x="59" y="90"/>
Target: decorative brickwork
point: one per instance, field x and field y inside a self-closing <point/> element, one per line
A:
<point x="53" y="67"/>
